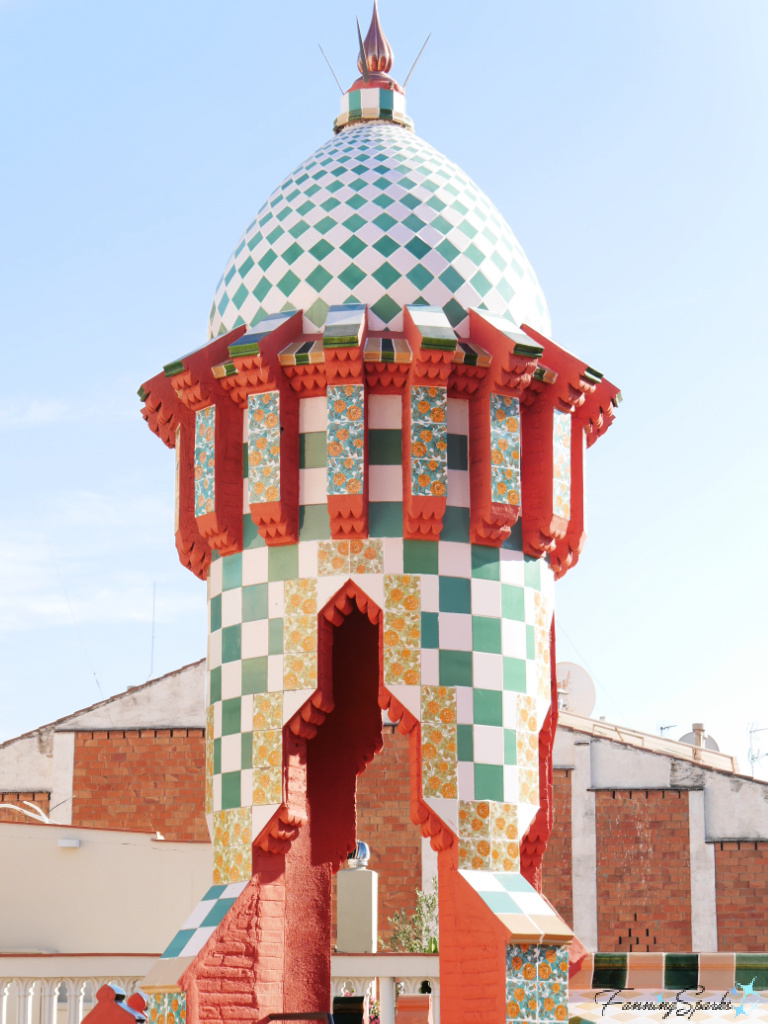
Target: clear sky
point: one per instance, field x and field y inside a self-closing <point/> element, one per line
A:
<point x="626" y="144"/>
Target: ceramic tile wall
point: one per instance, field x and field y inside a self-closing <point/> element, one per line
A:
<point x="205" y="426"/>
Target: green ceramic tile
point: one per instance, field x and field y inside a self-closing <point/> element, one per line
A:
<point x="215" y="613"/>
<point x="455" y="594"/>
<point x="245" y="462"/>
<point x="752" y="965"/>
<point x="384" y="448"/>
<point x="457" y="451"/>
<point x="681" y="970"/>
<point x="510" y="746"/>
<point x="420" y="556"/>
<point x="455" y="524"/>
<point x="609" y="970"/>
<point x="251" y="536"/>
<point x="486" y="707"/>
<point x="232" y="571"/>
<point x="214" y="689"/>
<point x="512" y="602"/>
<point x="429" y="631"/>
<point x="255" y="602"/>
<point x="514" y="541"/>
<point x="275" y="636"/>
<point x="486" y="634"/>
<point x="485" y="562"/>
<point x="514" y="674"/>
<point x="230" y="790"/>
<point x="532" y="573"/>
<point x="246" y="750"/>
<point x="530" y="643"/>
<point x="230" y="643"/>
<point x="313" y="524"/>
<point x="489" y="782"/>
<point x="455" y="668"/>
<point x="385" y="519"/>
<point x="283" y="561"/>
<point x="312" y="450"/>
<point x="230" y="716"/>
<point x="464" y="746"/>
<point x="217" y="757"/>
<point x="254" y="675"/>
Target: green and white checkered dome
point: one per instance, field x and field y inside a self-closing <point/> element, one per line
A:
<point x="377" y="216"/>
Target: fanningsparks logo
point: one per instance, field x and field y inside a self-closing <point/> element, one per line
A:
<point x="687" y="1002"/>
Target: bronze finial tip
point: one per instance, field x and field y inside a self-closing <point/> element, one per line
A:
<point x="378" y="52"/>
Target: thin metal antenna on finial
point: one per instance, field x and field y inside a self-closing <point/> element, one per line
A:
<point x="363" y="58"/>
<point x="331" y="70"/>
<point x="417" y="60"/>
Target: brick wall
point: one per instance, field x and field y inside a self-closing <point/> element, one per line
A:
<point x="147" y="780"/>
<point x="41" y="799"/>
<point x="556" y="867"/>
<point x="741" y="885"/>
<point x="643" y="871"/>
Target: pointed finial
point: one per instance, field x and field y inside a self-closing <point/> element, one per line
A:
<point x="378" y="52"/>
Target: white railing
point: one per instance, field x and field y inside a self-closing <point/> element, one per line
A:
<point x="59" y="989"/>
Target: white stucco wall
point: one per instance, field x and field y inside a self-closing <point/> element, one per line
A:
<point x="119" y="892"/>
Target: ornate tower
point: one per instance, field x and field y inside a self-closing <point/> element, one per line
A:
<point x="379" y="462"/>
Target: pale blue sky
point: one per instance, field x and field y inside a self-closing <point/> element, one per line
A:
<point x="627" y="145"/>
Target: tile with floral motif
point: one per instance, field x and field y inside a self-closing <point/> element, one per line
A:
<point x="503" y="821"/>
<point x="333" y="558"/>
<point x="429" y="441"/>
<point x="526" y="713"/>
<point x="231" y="845"/>
<point x="474" y="854"/>
<point x="527" y="749"/>
<point x="205" y="430"/>
<point x="300" y="597"/>
<point x="263" y="447"/>
<point x="300" y="671"/>
<point x="561" y="470"/>
<point x="365" y="556"/>
<point x="505" y="856"/>
<point x="345" y="475"/>
<point x="267" y="748"/>
<point x="299" y="634"/>
<point x="505" y="449"/>
<point x="267" y="786"/>
<point x="438" y="742"/>
<point x="474" y="819"/>
<point x="528" y="785"/>
<point x="402" y="665"/>
<point x="267" y="711"/>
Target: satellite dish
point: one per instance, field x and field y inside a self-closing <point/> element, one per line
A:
<point x="575" y="689"/>
<point x="699" y="738"/>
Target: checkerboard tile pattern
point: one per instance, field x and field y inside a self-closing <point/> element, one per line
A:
<point x="203" y="920"/>
<point x="372" y="104"/>
<point x="377" y="216"/>
<point x="466" y="650"/>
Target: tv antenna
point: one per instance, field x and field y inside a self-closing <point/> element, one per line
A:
<point x="666" y="728"/>
<point x="755" y="754"/>
<point x="418" y="55"/>
<point x="331" y="70"/>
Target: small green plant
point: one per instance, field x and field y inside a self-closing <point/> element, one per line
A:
<point x="417" y="933"/>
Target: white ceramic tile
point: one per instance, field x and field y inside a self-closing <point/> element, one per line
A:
<point x="385" y="483"/>
<point x="254" y="566"/>
<point x="275" y="599"/>
<point x="231" y="680"/>
<point x="511" y="567"/>
<point x="430" y="667"/>
<point x="246" y="712"/>
<point x="313" y="414"/>
<point x="510" y="784"/>
<point x="231" y="607"/>
<point x="487" y="670"/>
<point x="454" y="631"/>
<point x="430" y="593"/>
<point x="254" y="641"/>
<point x="454" y="559"/>
<point x="392" y="558"/>
<point x="385" y="412"/>
<point x="371" y="584"/>
<point x="230" y="753"/>
<point x="513" y="638"/>
<point x="261" y="817"/>
<point x="458" y="488"/>
<point x="246" y="787"/>
<point x="458" y="416"/>
<point x="488" y="744"/>
<point x="447" y="811"/>
<point x="214" y="578"/>
<point x="312" y="486"/>
<point x="214" y="649"/>
<point x="308" y="557"/>
<point x="274" y="673"/>
<point x="464" y="706"/>
<point x="486" y="598"/>
<point x="292" y="701"/>
<point x="409" y="697"/>
<point x="465" y="771"/>
<point x="217" y="719"/>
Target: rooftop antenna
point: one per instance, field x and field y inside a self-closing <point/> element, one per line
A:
<point x="418" y="55"/>
<point x="363" y="58"/>
<point x="331" y="70"/>
<point x="666" y="728"/>
<point x="755" y="755"/>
